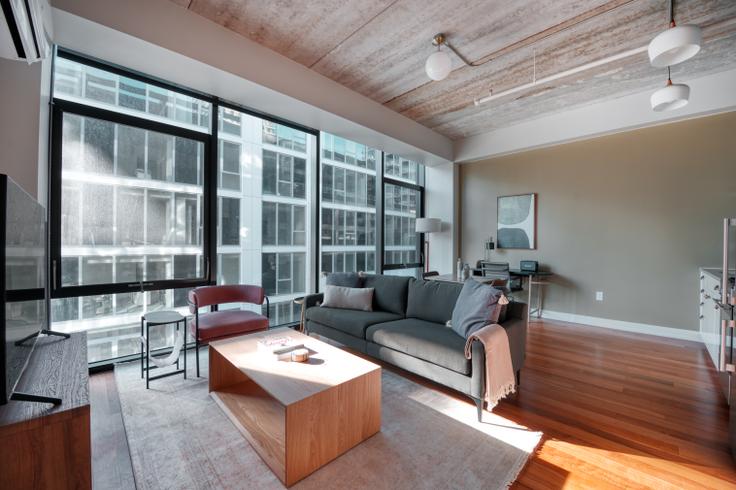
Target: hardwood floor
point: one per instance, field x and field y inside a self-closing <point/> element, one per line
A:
<point x="111" y="466"/>
<point x="620" y="410"/>
<point x="617" y="410"/>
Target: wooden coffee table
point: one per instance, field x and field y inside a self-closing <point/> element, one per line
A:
<point x="297" y="416"/>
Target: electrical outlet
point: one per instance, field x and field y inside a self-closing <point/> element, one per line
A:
<point x="599" y="295"/>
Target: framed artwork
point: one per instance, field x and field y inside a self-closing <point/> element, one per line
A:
<point x="517" y="222"/>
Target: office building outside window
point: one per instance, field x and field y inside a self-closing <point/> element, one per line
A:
<point x="132" y="205"/>
<point x="347" y="206"/>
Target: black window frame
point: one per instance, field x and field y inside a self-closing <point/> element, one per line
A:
<point x="400" y="183"/>
<point x="61" y="107"/>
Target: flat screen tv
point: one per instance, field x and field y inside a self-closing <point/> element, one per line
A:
<point x="23" y="309"/>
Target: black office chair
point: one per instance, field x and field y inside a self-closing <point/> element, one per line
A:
<point x="497" y="271"/>
<point x="430" y="274"/>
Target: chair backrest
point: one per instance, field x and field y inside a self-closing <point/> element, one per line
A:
<point x="498" y="270"/>
<point x="217" y="295"/>
<point x="430" y="274"/>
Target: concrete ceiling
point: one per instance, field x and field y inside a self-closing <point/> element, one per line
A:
<point x="378" y="48"/>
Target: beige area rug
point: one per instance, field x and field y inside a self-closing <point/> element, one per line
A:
<point x="179" y="439"/>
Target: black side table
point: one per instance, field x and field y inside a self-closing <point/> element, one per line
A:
<point x="161" y="318"/>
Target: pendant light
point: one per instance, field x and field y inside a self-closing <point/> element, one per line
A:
<point x="439" y="63"/>
<point x="672" y="96"/>
<point x="676" y="44"/>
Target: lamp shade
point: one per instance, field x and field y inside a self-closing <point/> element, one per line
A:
<point x="675" y="45"/>
<point x="671" y="97"/>
<point x="438" y="65"/>
<point x="428" y="225"/>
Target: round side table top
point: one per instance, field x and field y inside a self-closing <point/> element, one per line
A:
<point x="162" y="317"/>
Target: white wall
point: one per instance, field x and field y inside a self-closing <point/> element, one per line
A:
<point x="24" y="124"/>
<point x="440" y="203"/>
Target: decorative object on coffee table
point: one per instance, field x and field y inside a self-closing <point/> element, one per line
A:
<point x="297" y="416"/>
<point x="517" y="221"/>
<point x="157" y="318"/>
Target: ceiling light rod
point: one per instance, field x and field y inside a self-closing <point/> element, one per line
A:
<point x="441" y="40"/>
<point x="562" y="74"/>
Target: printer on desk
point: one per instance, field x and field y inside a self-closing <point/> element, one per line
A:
<point x="529" y="265"/>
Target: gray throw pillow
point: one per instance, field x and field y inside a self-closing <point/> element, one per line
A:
<point x="345" y="279"/>
<point x="475" y="308"/>
<point x="348" y="298"/>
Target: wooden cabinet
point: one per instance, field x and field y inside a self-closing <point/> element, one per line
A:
<point x="42" y="446"/>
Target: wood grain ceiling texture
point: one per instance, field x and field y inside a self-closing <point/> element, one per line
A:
<point x="378" y="48"/>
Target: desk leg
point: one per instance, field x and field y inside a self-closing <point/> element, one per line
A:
<point x="529" y="283"/>
<point x="540" y="288"/>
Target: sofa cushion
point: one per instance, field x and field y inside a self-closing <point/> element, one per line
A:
<point x="353" y="322"/>
<point x="429" y="341"/>
<point x="477" y="306"/>
<point x="390" y="294"/>
<point x="348" y="298"/>
<point x="345" y="279"/>
<point x="226" y="323"/>
<point x="432" y="300"/>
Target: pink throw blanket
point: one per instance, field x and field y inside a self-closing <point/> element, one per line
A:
<point x="500" y="379"/>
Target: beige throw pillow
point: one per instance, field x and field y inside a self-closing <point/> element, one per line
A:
<point x="348" y="298"/>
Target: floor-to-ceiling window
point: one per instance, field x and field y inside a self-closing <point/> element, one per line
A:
<point x="156" y="189"/>
<point x="403" y="196"/>
<point x="348" y="193"/>
<point x="132" y="175"/>
<point x="265" y="173"/>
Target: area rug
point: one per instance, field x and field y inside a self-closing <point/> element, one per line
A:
<point x="180" y="439"/>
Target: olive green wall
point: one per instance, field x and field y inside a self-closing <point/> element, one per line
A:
<point x="632" y="214"/>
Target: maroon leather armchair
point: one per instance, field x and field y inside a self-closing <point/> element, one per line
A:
<point x="215" y="324"/>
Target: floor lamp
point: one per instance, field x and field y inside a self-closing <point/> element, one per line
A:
<point x="427" y="226"/>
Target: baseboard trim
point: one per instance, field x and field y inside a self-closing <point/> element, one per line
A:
<point x="593" y="321"/>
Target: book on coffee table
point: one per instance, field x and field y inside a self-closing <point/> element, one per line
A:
<point x="279" y="347"/>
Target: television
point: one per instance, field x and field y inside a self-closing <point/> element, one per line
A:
<point x="23" y="291"/>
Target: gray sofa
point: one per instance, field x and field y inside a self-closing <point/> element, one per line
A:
<point x="408" y="329"/>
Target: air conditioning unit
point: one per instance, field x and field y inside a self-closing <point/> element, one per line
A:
<point x="25" y="29"/>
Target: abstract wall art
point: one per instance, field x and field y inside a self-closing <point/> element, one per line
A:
<point x="517" y="221"/>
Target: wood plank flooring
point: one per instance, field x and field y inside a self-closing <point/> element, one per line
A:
<point x="618" y="410"/>
<point x="621" y="410"/>
<point x="111" y="466"/>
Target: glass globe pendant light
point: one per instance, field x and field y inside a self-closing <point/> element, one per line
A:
<point x="439" y="63"/>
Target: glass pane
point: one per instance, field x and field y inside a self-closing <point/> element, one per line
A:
<point x="401" y="208"/>
<point x="400" y="168"/>
<point x="93" y="86"/>
<point x="348" y="204"/>
<point x="140" y="210"/>
<point x="273" y="163"/>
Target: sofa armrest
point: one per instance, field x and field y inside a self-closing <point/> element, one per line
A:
<point x="313" y="300"/>
<point x="516" y="329"/>
<point x="516" y="325"/>
<point x="516" y="310"/>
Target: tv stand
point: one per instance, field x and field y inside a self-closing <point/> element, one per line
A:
<point x="51" y="333"/>
<point x="27" y="397"/>
<point x="49" y="445"/>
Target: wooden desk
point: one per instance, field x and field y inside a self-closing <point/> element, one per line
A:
<point x="45" y="446"/>
<point x="297" y="416"/>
